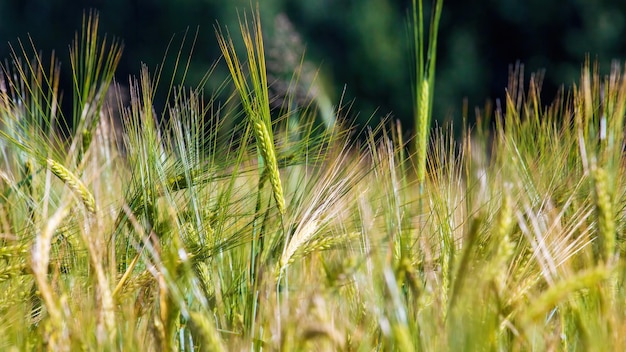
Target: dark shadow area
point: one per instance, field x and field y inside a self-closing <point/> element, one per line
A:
<point x="361" y="46"/>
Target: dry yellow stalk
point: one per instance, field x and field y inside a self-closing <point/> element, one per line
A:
<point x="40" y="260"/>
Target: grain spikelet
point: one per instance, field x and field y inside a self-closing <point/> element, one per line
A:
<point x="129" y="288"/>
<point x="561" y="290"/>
<point x="17" y="250"/>
<point x="504" y="247"/>
<point x="12" y="270"/>
<point x="422" y="130"/>
<point x="320" y="243"/>
<point x="303" y="234"/>
<point x="73" y="182"/>
<point x="205" y="330"/>
<point x="266" y="147"/>
<point x="604" y="210"/>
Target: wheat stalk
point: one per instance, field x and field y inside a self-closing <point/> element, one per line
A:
<point x="40" y="260"/>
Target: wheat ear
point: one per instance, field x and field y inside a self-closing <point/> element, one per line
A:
<point x="73" y="182"/>
<point x="561" y="291"/>
<point x="303" y="234"/>
<point x="206" y="330"/>
<point x="422" y="130"/>
<point x="266" y="147"/>
<point x="604" y="210"/>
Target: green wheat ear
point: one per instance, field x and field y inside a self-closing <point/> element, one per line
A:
<point x="604" y="211"/>
<point x="425" y="57"/>
<point x="422" y="130"/>
<point x="73" y="182"/>
<point x="255" y="99"/>
<point x="266" y="147"/>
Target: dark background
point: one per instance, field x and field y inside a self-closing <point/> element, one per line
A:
<point x="361" y="45"/>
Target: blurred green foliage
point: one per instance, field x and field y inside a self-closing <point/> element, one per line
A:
<point x="359" y="45"/>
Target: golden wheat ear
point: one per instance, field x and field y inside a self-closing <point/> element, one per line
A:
<point x="73" y="182"/>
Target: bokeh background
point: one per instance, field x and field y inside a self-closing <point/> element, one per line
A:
<point x="360" y="47"/>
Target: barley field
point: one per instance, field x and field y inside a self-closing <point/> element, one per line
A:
<point x="126" y="228"/>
